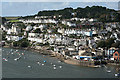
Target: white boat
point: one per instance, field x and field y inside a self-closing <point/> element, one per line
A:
<point x="60" y="66"/>
<point x="54" y="67"/>
<point x="117" y="74"/>
<point x="42" y="64"/>
<point x="97" y="66"/>
<point x="108" y="71"/>
<point x="16" y="59"/>
<point x="59" y="61"/>
<point x="29" y="66"/>
<point x="38" y="62"/>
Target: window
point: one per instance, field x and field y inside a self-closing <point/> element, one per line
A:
<point x="116" y="54"/>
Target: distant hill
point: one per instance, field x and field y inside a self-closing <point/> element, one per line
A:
<point x="99" y="12"/>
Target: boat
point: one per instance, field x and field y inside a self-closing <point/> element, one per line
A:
<point x="97" y="66"/>
<point x="117" y="74"/>
<point x="5" y="59"/>
<point x="108" y="71"/>
<point x="16" y="59"/>
<point x="54" y="67"/>
<point x="42" y="64"/>
<point x="29" y="66"/>
<point x="60" y="66"/>
<point x="38" y="62"/>
<point x="59" y="61"/>
<point x="44" y="61"/>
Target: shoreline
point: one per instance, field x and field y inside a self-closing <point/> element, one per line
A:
<point x="60" y="57"/>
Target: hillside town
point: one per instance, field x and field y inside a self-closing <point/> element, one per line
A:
<point x="84" y="39"/>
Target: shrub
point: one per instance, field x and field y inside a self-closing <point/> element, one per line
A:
<point x="24" y="44"/>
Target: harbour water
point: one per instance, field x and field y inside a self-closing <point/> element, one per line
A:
<point x="35" y="65"/>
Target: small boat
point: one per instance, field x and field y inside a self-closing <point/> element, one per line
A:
<point x="5" y="59"/>
<point x="38" y="62"/>
<point x="22" y="53"/>
<point x="108" y="71"/>
<point x="44" y="61"/>
<point x="42" y="64"/>
<point x="59" y="61"/>
<point x="16" y="59"/>
<point x="98" y="66"/>
<point x="117" y="74"/>
<point x="29" y="66"/>
<point x="54" y="67"/>
<point x="60" y="66"/>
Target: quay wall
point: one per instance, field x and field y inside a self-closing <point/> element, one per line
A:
<point x="74" y="61"/>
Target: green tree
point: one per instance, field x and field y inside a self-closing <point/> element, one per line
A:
<point x="101" y="44"/>
<point x="24" y="44"/>
<point x="15" y="44"/>
<point x="37" y="30"/>
<point x="116" y="45"/>
<point x="109" y="42"/>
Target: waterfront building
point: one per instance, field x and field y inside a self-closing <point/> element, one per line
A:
<point x="13" y="38"/>
<point x="116" y="55"/>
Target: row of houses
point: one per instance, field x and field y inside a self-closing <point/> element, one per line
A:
<point x="76" y="31"/>
<point x="39" y="21"/>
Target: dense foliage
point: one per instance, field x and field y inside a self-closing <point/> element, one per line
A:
<point x="99" y="12"/>
<point x="22" y="43"/>
<point x="108" y="43"/>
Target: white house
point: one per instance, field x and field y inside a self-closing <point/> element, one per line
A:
<point x="3" y="28"/>
<point x="15" y="29"/>
<point x="60" y="30"/>
<point x="71" y="24"/>
<point x="13" y="38"/>
<point x="28" y="28"/>
<point x="92" y="20"/>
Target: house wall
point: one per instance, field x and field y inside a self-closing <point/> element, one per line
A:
<point x="116" y="57"/>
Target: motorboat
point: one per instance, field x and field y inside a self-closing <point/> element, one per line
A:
<point x="117" y="74"/>
<point x="59" y="61"/>
<point x="54" y="67"/>
<point x="108" y="71"/>
<point x="60" y="66"/>
<point x="29" y="66"/>
<point x="16" y="59"/>
<point x="42" y="64"/>
<point x="5" y="59"/>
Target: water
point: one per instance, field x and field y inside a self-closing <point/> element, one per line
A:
<point x="20" y="69"/>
